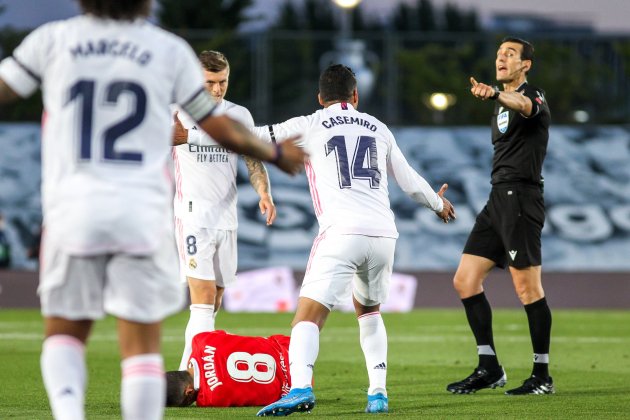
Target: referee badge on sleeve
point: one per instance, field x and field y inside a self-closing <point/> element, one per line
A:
<point x="503" y="119"/>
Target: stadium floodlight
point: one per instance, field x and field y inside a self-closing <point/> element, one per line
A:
<point x="346" y="20"/>
<point x="581" y="116"/>
<point x="352" y="52"/>
<point x="347" y="4"/>
<point x="441" y="101"/>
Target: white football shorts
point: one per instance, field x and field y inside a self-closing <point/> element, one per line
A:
<point x="340" y="263"/>
<point x="139" y="288"/>
<point x="207" y="254"/>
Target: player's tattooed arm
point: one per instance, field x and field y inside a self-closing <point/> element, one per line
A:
<point x="257" y="175"/>
<point x="6" y="93"/>
<point x="259" y="178"/>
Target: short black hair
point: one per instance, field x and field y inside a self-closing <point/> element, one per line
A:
<point x="214" y="61"/>
<point x="336" y="83"/>
<point x="176" y="383"/>
<point x="528" y="48"/>
<point x="117" y="9"/>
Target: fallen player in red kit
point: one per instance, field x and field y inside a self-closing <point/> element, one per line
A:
<point x="227" y="370"/>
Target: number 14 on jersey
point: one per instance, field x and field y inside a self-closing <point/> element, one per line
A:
<point x="360" y="167"/>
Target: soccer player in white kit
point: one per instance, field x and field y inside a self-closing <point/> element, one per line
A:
<point x="205" y="204"/>
<point x="351" y="155"/>
<point x="108" y="77"/>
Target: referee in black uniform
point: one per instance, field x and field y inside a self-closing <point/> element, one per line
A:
<point x="508" y="229"/>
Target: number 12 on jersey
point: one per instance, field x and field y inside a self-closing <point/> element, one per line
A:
<point x="366" y="146"/>
<point x="84" y="91"/>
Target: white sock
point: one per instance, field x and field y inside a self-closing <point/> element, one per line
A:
<point x="373" y="338"/>
<point x="201" y="320"/>
<point x="303" y="351"/>
<point x="143" y="387"/>
<point x="65" y="376"/>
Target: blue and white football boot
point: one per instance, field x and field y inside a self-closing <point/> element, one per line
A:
<point x="297" y="400"/>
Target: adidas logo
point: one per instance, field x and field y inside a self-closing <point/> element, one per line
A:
<point x="512" y="254"/>
<point x="381" y="365"/>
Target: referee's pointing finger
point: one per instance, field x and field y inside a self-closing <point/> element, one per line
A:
<point x="473" y="82"/>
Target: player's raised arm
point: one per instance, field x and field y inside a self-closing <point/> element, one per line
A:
<point x="280" y="132"/>
<point x="515" y="101"/>
<point x="235" y="136"/>
<point x="417" y="187"/>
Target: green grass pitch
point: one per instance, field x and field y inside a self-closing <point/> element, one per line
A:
<point x="590" y="363"/>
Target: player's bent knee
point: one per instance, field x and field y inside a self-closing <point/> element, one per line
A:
<point x="466" y="286"/>
<point x="527" y="296"/>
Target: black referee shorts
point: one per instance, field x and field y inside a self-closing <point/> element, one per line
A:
<point x="508" y="228"/>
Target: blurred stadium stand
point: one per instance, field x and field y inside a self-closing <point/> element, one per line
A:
<point x="587" y="177"/>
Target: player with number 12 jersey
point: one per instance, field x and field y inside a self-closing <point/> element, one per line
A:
<point x="106" y="133"/>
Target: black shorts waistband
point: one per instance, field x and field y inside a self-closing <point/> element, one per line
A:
<point x="532" y="185"/>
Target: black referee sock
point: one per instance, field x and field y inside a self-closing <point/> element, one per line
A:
<point x="539" y="317"/>
<point x="479" y="316"/>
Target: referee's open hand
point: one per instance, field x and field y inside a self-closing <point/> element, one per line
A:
<point x="448" y="211"/>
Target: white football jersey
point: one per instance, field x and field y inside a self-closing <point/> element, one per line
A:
<point x="205" y="174"/>
<point x="106" y="136"/>
<point x="350" y="156"/>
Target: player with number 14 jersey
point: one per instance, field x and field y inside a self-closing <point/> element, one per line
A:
<point x="350" y="156"/>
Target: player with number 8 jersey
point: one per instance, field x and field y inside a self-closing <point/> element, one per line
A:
<point x="230" y="370"/>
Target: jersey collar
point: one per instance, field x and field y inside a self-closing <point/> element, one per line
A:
<point x="220" y="107"/>
<point x="341" y="106"/>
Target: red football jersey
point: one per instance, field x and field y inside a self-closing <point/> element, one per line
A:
<point x="236" y="371"/>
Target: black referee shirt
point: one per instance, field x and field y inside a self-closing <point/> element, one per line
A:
<point x="520" y="143"/>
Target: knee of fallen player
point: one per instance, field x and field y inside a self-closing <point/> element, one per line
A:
<point x="180" y="390"/>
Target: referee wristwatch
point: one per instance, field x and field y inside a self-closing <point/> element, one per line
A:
<point x="496" y="93"/>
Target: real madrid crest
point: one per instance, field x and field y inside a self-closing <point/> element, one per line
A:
<point x="192" y="264"/>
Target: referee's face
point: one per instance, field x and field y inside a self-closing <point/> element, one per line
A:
<point x="509" y="65"/>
